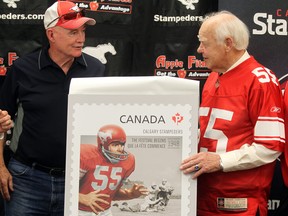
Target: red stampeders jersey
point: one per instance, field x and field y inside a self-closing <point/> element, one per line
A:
<point x="240" y="107"/>
<point x="101" y="174"/>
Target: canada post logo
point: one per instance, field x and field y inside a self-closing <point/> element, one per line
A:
<point x="189" y="4"/>
<point x="177" y="118"/>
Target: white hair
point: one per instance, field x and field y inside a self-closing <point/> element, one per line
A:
<point x="230" y="26"/>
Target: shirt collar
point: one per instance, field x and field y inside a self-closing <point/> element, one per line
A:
<point x="44" y="59"/>
<point x="244" y="57"/>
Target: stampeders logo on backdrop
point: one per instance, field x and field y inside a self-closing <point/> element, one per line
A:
<point x="186" y="18"/>
<point x="189" y="3"/>
<point x="196" y="68"/>
<point x="176" y="19"/>
<point x="11" y="3"/>
<point x="100" y="51"/>
<point x="272" y="24"/>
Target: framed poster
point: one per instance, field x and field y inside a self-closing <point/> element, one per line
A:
<point x="126" y="135"/>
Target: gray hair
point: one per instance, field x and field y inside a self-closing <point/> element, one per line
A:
<point x="230" y="26"/>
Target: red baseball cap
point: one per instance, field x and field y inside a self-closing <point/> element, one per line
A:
<point x="66" y="14"/>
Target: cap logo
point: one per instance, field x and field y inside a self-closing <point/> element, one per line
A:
<point x="75" y="8"/>
<point x="104" y="136"/>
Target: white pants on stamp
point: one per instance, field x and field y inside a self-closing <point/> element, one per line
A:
<point x="103" y="213"/>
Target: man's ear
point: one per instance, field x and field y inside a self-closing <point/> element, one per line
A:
<point x="50" y="34"/>
<point x="228" y="44"/>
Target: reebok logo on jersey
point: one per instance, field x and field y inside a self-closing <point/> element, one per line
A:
<point x="275" y="109"/>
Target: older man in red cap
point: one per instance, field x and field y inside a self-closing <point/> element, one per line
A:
<point x="36" y="88"/>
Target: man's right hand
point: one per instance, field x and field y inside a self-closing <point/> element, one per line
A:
<point x="5" y="121"/>
<point x="93" y="199"/>
<point x="6" y="182"/>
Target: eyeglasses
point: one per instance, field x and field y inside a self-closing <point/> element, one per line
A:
<point x="69" y="16"/>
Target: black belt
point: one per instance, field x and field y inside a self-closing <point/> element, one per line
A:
<point x="53" y="171"/>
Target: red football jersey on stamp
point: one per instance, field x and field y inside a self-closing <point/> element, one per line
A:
<point x="101" y="174"/>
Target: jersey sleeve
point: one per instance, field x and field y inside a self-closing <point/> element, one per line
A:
<point x="267" y="114"/>
<point x="284" y="157"/>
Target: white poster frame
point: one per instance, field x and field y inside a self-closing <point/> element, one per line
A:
<point x="160" y="118"/>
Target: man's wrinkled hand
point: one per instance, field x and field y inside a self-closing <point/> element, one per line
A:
<point x="203" y="162"/>
<point x="6" y="182"/>
<point x="5" y="121"/>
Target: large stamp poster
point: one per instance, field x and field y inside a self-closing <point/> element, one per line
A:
<point x="152" y="123"/>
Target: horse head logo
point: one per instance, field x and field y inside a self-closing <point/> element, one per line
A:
<point x="189" y="3"/>
<point x="11" y="3"/>
<point x="100" y="51"/>
<point x="104" y="136"/>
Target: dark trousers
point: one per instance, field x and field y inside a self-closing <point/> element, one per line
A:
<point x="7" y="155"/>
<point x="1" y="206"/>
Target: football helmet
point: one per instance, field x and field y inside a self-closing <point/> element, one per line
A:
<point x="107" y="135"/>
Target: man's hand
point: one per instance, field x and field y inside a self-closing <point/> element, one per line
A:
<point x="5" y="121"/>
<point x="137" y="191"/>
<point x="6" y="182"/>
<point x="134" y="192"/>
<point x="93" y="199"/>
<point x="203" y="162"/>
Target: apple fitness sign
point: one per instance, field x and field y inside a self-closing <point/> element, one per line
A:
<point x="156" y="121"/>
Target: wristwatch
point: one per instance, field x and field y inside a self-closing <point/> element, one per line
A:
<point x="2" y="136"/>
<point x="221" y="165"/>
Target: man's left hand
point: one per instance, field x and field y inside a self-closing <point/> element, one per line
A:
<point x="5" y="121"/>
<point x="203" y="162"/>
